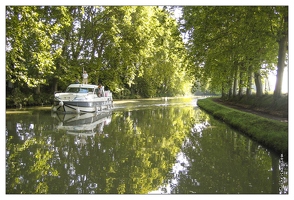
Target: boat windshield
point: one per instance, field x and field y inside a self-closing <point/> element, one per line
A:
<point x="79" y="90"/>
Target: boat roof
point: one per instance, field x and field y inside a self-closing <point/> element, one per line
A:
<point x="82" y="86"/>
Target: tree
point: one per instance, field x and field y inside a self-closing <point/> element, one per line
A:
<point x="280" y="31"/>
<point x="30" y="31"/>
<point x="235" y="38"/>
<point x="121" y="47"/>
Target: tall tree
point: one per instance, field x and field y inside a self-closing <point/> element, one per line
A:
<point x="280" y="31"/>
<point x="242" y="34"/>
<point x="29" y="36"/>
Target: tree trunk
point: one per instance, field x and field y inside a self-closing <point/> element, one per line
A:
<point x="235" y="83"/>
<point x="223" y="91"/>
<point x="230" y="93"/>
<point x="240" y="84"/>
<point x="281" y="65"/>
<point x="38" y="89"/>
<point x="249" y="82"/>
<point x="55" y="84"/>
<point x="258" y="83"/>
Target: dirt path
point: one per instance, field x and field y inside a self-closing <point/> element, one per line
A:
<point x="260" y="113"/>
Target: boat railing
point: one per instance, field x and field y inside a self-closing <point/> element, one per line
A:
<point x="107" y="93"/>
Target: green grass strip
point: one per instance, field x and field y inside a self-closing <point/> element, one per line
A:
<point x="270" y="133"/>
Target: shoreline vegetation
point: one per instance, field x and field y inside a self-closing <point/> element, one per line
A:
<point x="271" y="133"/>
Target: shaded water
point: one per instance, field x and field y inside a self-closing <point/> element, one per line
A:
<point x="142" y="147"/>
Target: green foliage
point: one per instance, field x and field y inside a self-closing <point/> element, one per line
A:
<point x="29" y="56"/>
<point x="228" y="43"/>
<point x="139" y="49"/>
<point x="119" y="46"/>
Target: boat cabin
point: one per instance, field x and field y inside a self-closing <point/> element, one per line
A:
<point x="81" y="88"/>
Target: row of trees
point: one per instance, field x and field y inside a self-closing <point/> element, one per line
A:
<point x="138" y="51"/>
<point x="132" y="50"/>
<point x="232" y="45"/>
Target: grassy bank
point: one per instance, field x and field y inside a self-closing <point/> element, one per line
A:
<point x="272" y="134"/>
<point x="265" y="103"/>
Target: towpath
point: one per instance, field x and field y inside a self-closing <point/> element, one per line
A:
<point x="253" y="111"/>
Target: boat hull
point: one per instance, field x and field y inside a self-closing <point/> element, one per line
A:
<point x="103" y="103"/>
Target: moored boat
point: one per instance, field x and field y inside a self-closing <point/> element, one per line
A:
<point x="82" y="98"/>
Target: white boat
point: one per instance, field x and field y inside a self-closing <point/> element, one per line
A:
<point x="87" y="124"/>
<point x="82" y="98"/>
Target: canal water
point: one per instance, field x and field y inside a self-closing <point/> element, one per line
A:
<point x="152" y="146"/>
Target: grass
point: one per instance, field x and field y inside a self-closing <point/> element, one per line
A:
<point x="270" y="133"/>
<point x="265" y="103"/>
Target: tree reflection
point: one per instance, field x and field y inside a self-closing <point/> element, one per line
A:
<point x="27" y="163"/>
<point x="173" y="149"/>
<point x="219" y="160"/>
<point x="132" y="156"/>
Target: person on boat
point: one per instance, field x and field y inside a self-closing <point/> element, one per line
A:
<point x="77" y="81"/>
<point x="85" y="78"/>
<point x="100" y="90"/>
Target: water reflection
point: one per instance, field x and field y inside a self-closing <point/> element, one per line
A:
<point x="85" y="124"/>
<point x="160" y="148"/>
<point x="215" y="159"/>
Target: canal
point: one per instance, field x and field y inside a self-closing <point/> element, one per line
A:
<point x="152" y="146"/>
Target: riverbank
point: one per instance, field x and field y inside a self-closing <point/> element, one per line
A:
<point x="271" y="133"/>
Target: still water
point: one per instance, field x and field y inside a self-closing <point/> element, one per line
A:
<point x="152" y="146"/>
